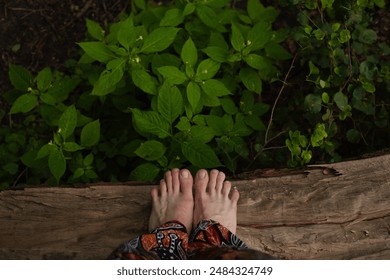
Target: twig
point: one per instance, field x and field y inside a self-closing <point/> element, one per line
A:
<point x="350" y="67"/>
<point x="18" y="178"/>
<point x="266" y="141"/>
<point x="84" y="9"/>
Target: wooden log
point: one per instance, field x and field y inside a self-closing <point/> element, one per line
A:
<point x="334" y="211"/>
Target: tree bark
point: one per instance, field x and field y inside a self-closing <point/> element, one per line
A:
<point x="333" y="211"/>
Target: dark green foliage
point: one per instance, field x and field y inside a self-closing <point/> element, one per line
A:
<point x="192" y="84"/>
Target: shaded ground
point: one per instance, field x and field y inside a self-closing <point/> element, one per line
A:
<point x="40" y="33"/>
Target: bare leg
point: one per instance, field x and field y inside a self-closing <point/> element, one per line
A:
<point x="213" y="199"/>
<point x="173" y="200"/>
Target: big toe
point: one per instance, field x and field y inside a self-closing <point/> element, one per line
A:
<point x="186" y="182"/>
<point x="201" y="181"/>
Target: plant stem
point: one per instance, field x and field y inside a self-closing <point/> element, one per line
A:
<point x="266" y="141"/>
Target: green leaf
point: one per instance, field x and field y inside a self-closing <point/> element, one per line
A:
<point x="318" y="136"/>
<point x="172" y="74"/>
<point x="254" y="9"/>
<point x="110" y="77"/>
<point x="151" y="150"/>
<point x="368" y="36"/>
<point x="216" y="53"/>
<point x="45" y="150"/>
<point x="341" y="101"/>
<point x="128" y="34"/>
<point x="209" y="101"/>
<point x="200" y="154"/>
<point x="202" y="133"/>
<point x="237" y="40"/>
<point x="193" y="94"/>
<point x="78" y="173"/>
<point x="277" y="52"/>
<point x="143" y="80"/>
<point x="57" y="163"/>
<point x="353" y="136"/>
<point x="259" y="36"/>
<point x="172" y="17"/>
<point x="145" y="172"/>
<point x="11" y="168"/>
<point x="251" y="80"/>
<point x="218" y="40"/>
<point x="88" y="160"/>
<point x="314" y="70"/>
<point x="325" y="97"/>
<point x="24" y="103"/>
<point x="240" y="128"/>
<point x="214" y="88"/>
<point x="61" y="88"/>
<point x="208" y="16"/>
<point x="313" y="103"/>
<point x="327" y="3"/>
<point x="170" y="102"/>
<point x="151" y="122"/>
<point x="159" y="39"/>
<point x="207" y="69"/>
<point x="306" y="156"/>
<point x="256" y="61"/>
<point x="228" y="105"/>
<point x="345" y="36"/>
<point x="189" y="53"/>
<point x="368" y="69"/>
<point x="90" y="134"/>
<point x="71" y="147"/>
<point x="220" y="125"/>
<point x="67" y="122"/>
<point x="130" y="147"/>
<point x="184" y="124"/>
<point x="380" y="3"/>
<point x="95" y="30"/>
<point x="188" y="9"/>
<point x="44" y="79"/>
<point x="20" y="77"/>
<point x="140" y="4"/>
<point x="98" y="51"/>
<point x="254" y="122"/>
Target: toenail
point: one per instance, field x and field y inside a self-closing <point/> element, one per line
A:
<point x="202" y="174"/>
<point x="184" y="174"/>
<point x="235" y="189"/>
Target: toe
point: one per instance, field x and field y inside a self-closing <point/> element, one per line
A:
<point x="154" y="194"/>
<point x="186" y="182"/>
<point x="226" y="188"/>
<point x="168" y="181"/>
<point x="235" y="195"/>
<point x="163" y="188"/>
<point x="211" y="187"/>
<point x="175" y="180"/>
<point x="201" y="180"/>
<point x="220" y="180"/>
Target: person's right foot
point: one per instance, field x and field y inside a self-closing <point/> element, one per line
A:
<point x="214" y="201"/>
<point x="173" y="200"/>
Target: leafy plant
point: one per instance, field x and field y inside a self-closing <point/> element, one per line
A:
<point x="346" y="77"/>
<point x="202" y="84"/>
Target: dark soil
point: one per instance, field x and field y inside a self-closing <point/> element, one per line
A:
<point x="40" y="33"/>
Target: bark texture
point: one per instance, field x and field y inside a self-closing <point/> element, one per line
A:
<point x="335" y="211"/>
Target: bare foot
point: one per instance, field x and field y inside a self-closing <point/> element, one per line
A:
<point x="173" y="200"/>
<point x="212" y="199"/>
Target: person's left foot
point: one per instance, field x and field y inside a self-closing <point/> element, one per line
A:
<point x="173" y="200"/>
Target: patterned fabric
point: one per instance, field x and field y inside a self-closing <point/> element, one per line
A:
<point x="210" y="240"/>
